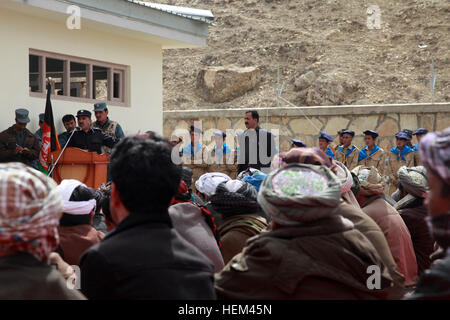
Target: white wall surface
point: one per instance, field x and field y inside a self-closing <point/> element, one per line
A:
<point x="20" y="32"/>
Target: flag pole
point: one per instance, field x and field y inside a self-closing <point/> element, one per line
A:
<point x="65" y="146"/>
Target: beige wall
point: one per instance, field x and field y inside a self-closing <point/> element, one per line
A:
<point x="291" y="123"/>
<point x="19" y="33"/>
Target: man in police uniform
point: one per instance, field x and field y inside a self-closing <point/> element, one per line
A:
<point x="88" y="138"/>
<point x="111" y="128"/>
<point x="17" y="143"/>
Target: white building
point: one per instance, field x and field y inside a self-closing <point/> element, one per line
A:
<point x="95" y="50"/>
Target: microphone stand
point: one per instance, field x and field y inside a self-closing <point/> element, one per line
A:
<point x="54" y="165"/>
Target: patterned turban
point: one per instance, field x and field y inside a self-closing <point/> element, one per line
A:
<point x="434" y="150"/>
<point x="30" y="209"/>
<point x="300" y="193"/>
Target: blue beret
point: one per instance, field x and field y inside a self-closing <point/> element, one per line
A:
<point x="350" y="132"/>
<point x="324" y="135"/>
<point x="420" y="131"/>
<point x="298" y="143"/>
<point x="372" y="133"/>
<point x="100" y="106"/>
<point x="402" y="135"/>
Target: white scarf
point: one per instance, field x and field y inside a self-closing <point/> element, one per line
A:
<point x="66" y="188"/>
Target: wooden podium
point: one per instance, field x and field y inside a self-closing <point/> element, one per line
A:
<point x="87" y="167"/>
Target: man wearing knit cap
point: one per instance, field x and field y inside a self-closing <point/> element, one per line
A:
<point x="372" y="155"/>
<point x="412" y="189"/>
<point x="75" y="226"/>
<point x="434" y="151"/>
<point x="312" y="251"/>
<point x="388" y="219"/>
<point x="235" y="200"/>
<point x="348" y="153"/>
<point x="400" y="156"/>
<point x="29" y="216"/>
<point x="324" y="144"/>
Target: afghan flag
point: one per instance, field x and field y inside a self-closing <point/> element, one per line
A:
<point x="50" y="141"/>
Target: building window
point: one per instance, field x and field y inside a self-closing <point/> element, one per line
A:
<point x="35" y="75"/>
<point x="77" y="79"/>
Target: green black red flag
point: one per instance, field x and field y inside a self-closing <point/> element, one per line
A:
<point x="50" y="141"/>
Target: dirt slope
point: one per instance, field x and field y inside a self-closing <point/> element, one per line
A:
<point x="328" y="37"/>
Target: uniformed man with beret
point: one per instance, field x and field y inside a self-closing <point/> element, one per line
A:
<point x="348" y="153"/>
<point x="89" y="138"/>
<point x="401" y="155"/>
<point x="17" y="143"/>
<point x="111" y="128"/>
<point x="324" y="144"/>
<point x="372" y="154"/>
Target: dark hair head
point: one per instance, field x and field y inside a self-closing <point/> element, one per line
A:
<point x="84" y="193"/>
<point x="68" y="117"/>
<point x="144" y="174"/>
<point x="255" y="114"/>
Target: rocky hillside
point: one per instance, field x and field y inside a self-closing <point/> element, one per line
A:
<point x="324" y="49"/>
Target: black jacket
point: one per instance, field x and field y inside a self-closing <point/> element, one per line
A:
<point x="145" y="258"/>
<point x="434" y="283"/>
<point x="92" y="141"/>
<point x="249" y="154"/>
<point x="9" y="141"/>
<point x="421" y="237"/>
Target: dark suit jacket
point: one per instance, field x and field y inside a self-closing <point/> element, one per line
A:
<point x="145" y="258"/>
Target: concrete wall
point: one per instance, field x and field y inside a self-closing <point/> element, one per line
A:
<point x="292" y="123"/>
<point x="20" y="32"/>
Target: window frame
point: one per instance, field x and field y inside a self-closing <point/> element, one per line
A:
<point x="112" y="68"/>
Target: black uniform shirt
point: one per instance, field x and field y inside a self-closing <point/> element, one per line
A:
<point x="92" y="141"/>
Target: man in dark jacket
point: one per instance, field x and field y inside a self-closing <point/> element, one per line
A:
<point x="256" y="145"/>
<point x="89" y="138"/>
<point x="17" y="143"/>
<point x="434" y="150"/>
<point x="144" y="257"/>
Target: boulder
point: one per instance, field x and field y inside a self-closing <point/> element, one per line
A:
<point x="222" y="84"/>
<point x="325" y="91"/>
<point x="304" y="81"/>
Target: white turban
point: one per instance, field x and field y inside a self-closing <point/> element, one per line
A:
<point x="66" y="188"/>
<point x="208" y="182"/>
